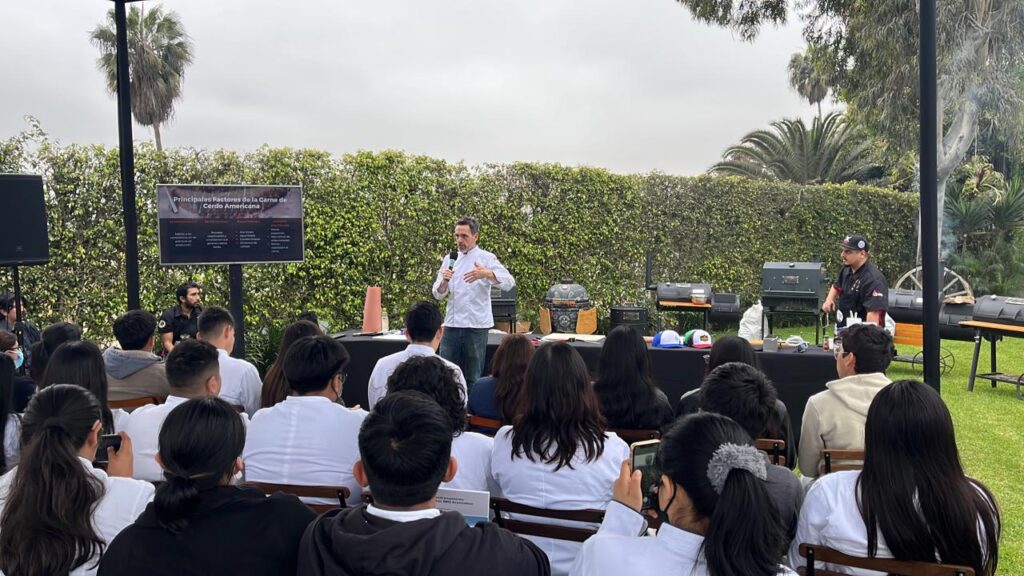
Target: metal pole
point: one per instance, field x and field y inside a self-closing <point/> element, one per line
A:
<point x="19" y="322"/>
<point x="124" y="121"/>
<point x="237" y="310"/>
<point x="929" y="188"/>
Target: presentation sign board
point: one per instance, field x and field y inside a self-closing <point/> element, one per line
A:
<point x="213" y="224"/>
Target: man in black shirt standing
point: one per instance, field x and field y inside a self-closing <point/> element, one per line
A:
<point x="861" y="288"/>
<point x="181" y="320"/>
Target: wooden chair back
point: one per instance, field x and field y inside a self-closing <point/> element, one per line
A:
<point x="909" y="335"/>
<point x="339" y="492"/>
<point x="483" y="425"/>
<point x="631" y="436"/>
<point x="129" y="403"/>
<point x="502" y="507"/>
<point x="775" y="449"/>
<point x="814" y="553"/>
<point x="833" y="460"/>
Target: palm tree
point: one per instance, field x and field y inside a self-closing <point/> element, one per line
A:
<point x="805" y="78"/>
<point x="158" y="52"/>
<point x="832" y="150"/>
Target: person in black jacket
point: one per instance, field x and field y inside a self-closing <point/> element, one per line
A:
<point x="406" y="448"/>
<point x="199" y="523"/>
<point x="629" y="398"/>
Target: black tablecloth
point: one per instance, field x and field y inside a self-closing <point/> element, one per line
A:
<point x="796" y="375"/>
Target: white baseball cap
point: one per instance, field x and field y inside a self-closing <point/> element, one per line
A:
<point x="667" y="339"/>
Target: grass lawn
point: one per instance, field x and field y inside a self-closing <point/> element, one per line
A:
<point x="989" y="429"/>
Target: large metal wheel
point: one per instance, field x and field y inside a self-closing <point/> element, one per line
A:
<point x="953" y="284"/>
<point x="946" y="361"/>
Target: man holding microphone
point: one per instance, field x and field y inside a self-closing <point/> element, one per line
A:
<point x="467" y="276"/>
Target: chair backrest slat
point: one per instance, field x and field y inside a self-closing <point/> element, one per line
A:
<point x="341" y="493"/>
<point x="814" y="553"/>
<point x="129" y="403"/>
<point x="631" y="436"/>
<point x="837" y="460"/>
<point x="774" y="448"/>
<point x="502" y="507"/>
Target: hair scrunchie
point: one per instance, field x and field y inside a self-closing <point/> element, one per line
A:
<point x="54" y="422"/>
<point x="729" y="457"/>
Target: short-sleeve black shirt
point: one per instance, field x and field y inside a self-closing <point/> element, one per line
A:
<point x="174" y="320"/>
<point x="863" y="291"/>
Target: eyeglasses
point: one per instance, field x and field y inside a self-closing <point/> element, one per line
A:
<point x="837" y="348"/>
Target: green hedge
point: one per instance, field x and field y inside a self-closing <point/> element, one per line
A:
<point x="385" y="218"/>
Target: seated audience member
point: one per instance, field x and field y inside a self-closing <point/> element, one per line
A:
<point x="22" y="386"/>
<point x="133" y="371"/>
<point x="9" y="318"/>
<point x="423" y="330"/>
<point x="835" y="418"/>
<point x="193" y="371"/>
<point x="627" y="393"/>
<point x="275" y="385"/>
<point x="430" y="375"/>
<point x="53" y="336"/>
<point x="717" y="516"/>
<point x="557" y="454"/>
<point x="58" y="511"/>
<point x="240" y="380"/>
<point x="10" y="421"/>
<point x="744" y="394"/>
<point x="81" y="362"/>
<point x="406" y="448"/>
<point x="735" y="349"/>
<point x="199" y="523"/>
<point x="309" y="439"/>
<point x="912" y="500"/>
<point x="497" y="396"/>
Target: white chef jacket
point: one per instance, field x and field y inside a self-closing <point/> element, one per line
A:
<point x="240" y="383"/>
<point x="470" y="304"/>
<point x="384" y="367"/>
<point x="472" y="451"/>
<point x="122" y="502"/>
<point x="831" y="517"/>
<point x="305" y="440"/>
<point x="618" y="548"/>
<point x="143" y="426"/>
<point x="535" y="483"/>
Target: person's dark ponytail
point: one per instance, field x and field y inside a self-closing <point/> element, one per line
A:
<point x="744" y="533"/>
<point x="745" y="513"/>
<point x="199" y="442"/>
<point x="46" y="527"/>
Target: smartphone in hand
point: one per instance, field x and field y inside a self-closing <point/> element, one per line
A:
<point x="107" y="441"/>
<point x="643" y="457"/>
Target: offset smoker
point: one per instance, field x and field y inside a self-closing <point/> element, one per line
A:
<point x="907" y="306"/>
<point x="794" y="289"/>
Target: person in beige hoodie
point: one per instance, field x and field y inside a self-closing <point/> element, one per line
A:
<point x="835" y="418"/>
<point x="133" y="370"/>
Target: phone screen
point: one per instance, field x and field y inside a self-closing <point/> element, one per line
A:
<point x="107" y="441"/>
<point x="643" y="457"/>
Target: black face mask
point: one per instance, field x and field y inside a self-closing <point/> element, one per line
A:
<point x="662" y="513"/>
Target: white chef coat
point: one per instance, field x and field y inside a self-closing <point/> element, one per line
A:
<point x="535" y="483"/>
<point x="386" y="366"/>
<point x="122" y="502"/>
<point x="307" y="441"/>
<point x="240" y="383"/>
<point x="472" y="451"/>
<point x="618" y="548"/>
<point x="470" y="304"/>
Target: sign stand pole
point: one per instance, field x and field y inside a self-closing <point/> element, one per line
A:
<point x="237" y="310"/>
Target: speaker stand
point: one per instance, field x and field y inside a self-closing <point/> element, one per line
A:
<point x="19" y="326"/>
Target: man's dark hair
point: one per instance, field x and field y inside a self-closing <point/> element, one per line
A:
<point x="134" y="328"/>
<point x="405" y="444"/>
<point x="473" y="223"/>
<point x="312" y="361"/>
<point x="183" y="289"/>
<point x="870" y="344"/>
<point x="308" y="316"/>
<point x="422" y="321"/>
<point x="741" y="392"/>
<point x="190" y="363"/>
<point x="7" y="301"/>
<point x="214" y="319"/>
<point x="430" y="375"/>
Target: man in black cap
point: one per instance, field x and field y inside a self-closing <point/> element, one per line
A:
<point x="861" y="288"/>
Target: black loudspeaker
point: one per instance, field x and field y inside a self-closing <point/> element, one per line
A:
<point x="23" y="237"/>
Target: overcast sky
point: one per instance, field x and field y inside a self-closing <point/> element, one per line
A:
<point x="630" y="85"/>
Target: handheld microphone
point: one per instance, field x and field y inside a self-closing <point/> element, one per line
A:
<point x="451" y="259"/>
